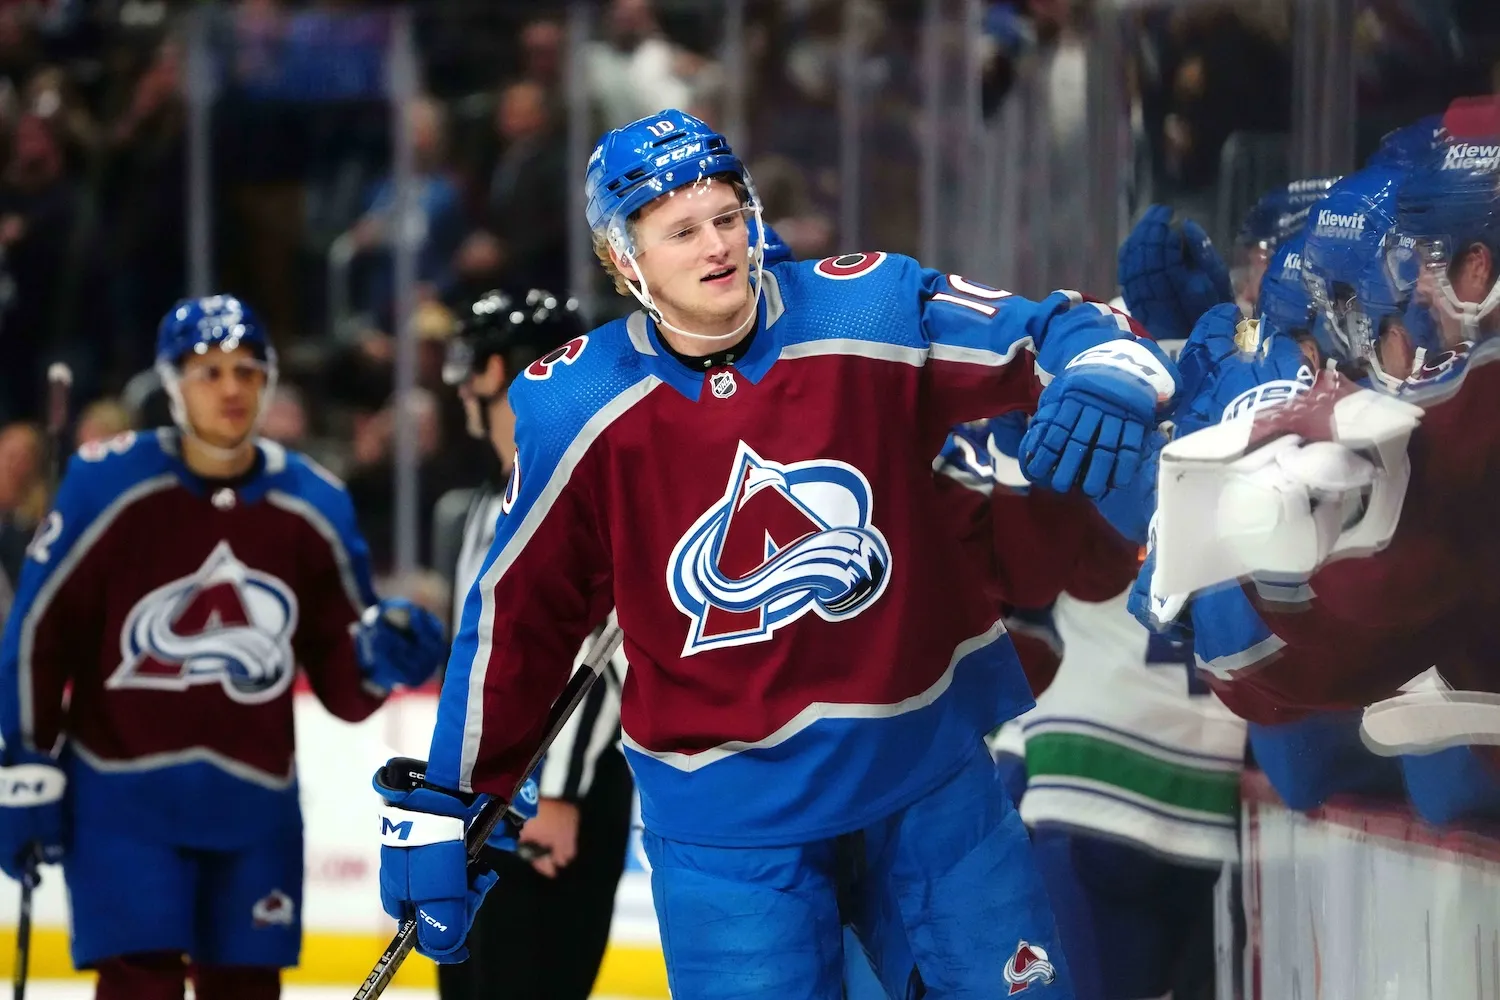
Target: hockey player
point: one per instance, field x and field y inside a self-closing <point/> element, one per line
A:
<point x="544" y="929"/>
<point x="744" y="471"/>
<point x="1131" y="766"/>
<point x="1275" y="218"/>
<point x="146" y="676"/>
<point x="1305" y="658"/>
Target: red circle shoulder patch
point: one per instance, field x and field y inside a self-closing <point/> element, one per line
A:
<point x="849" y="265"/>
<point x="541" y="369"/>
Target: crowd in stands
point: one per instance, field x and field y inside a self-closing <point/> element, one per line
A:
<point x="95" y="129"/>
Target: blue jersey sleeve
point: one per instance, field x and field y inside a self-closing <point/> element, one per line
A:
<point x="990" y="351"/>
<point x="56" y="621"/>
<point x="335" y="591"/>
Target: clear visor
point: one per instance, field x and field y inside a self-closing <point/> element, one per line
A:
<point x="1337" y="304"/>
<point x="243" y="371"/>
<point x="1446" y="311"/>
<point x="688" y="216"/>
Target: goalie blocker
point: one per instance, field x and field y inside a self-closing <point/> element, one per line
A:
<point x="1278" y="495"/>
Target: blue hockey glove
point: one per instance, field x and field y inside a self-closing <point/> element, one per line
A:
<point x="424" y="867"/>
<point x="1096" y="415"/>
<point x="31" y="813"/>
<point x="1170" y="274"/>
<point x="400" y="644"/>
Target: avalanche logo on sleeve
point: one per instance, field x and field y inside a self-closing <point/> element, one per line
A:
<point x="225" y="624"/>
<point x="783" y="541"/>
<point x="1028" y="965"/>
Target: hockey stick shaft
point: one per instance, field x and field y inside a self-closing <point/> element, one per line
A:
<point x="494" y="810"/>
<point x="30" y="878"/>
<point x="59" y="386"/>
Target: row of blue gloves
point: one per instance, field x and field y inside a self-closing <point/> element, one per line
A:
<point x="397" y="644"/>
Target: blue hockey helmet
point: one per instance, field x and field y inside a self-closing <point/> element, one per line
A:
<point x="1343" y="264"/>
<point x="1447" y="211"/>
<point x="668" y="154"/>
<point x="194" y="326"/>
<point x="1279" y="215"/>
<point x="1409" y="145"/>
<point x="635" y="164"/>
<point x="1284" y="306"/>
<point x="199" y="326"/>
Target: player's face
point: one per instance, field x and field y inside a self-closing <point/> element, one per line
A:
<point x="222" y="393"/>
<point x="476" y="389"/>
<point x="694" y="256"/>
<point x="1397" y="353"/>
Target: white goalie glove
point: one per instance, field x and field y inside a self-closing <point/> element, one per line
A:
<point x="1277" y="495"/>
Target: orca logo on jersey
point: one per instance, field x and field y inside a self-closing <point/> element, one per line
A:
<point x="784" y="540"/>
<point x="1027" y="966"/>
<point x="226" y="624"/>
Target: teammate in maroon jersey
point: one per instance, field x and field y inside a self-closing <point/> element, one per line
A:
<point x="146" y="676"/>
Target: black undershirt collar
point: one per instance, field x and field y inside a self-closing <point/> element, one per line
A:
<point x="212" y="485"/>
<point x="718" y="359"/>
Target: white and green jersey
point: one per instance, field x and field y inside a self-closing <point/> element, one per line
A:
<point x="1119" y="744"/>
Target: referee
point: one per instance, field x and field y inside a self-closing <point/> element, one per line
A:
<point x="543" y="928"/>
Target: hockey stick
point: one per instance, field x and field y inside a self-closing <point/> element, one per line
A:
<point x="59" y="383"/>
<point x="496" y="809"/>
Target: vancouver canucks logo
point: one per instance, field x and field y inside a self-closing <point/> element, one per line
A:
<point x="783" y="541"/>
<point x="225" y="624"/>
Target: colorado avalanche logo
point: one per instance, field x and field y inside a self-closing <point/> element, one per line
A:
<point x="1027" y="966"/>
<point x="784" y="540"/>
<point x="226" y="624"/>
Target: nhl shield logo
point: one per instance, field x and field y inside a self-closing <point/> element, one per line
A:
<point x="722" y="384"/>
<point x="225" y="624"/>
<point x="1027" y="966"/>
<point x="782" y="541"/>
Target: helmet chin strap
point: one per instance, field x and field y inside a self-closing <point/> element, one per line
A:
<point x="757" y="255"/>
<point x="171" y="380"/>
<point x="1469" y="314"/>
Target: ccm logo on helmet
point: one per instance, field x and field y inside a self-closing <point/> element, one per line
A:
<point x="850" y="265"/>
<point x="541" y="369"/>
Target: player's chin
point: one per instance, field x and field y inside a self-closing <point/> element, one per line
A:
<point x="226" y="434"/>
<point x="727" y="295"/>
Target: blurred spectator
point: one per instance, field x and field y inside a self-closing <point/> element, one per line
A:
<point x="524" y="241"/>
<point x="636" y="71"/>
<point x="371" y="481"/>
<point x="52" y="95"/>
<point x="144" y="218"/>
<point x="38" y="206"/>
<point x="438" y="223"/>
<point x="19" y="56"/>
<point x="542" y="55"/>
<point x="100" y="421"/>
<point x="789" y="208"/>
<point x="23" y="500"/>
<point x="1215" y="70"/>
<point x="285" y="421"/>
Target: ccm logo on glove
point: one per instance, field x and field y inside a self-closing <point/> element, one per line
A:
<point x="430" y="922"/>
<point x="1132" y="358"/>
<point x="31" y="785"/>
<point x="405" y="828"/>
